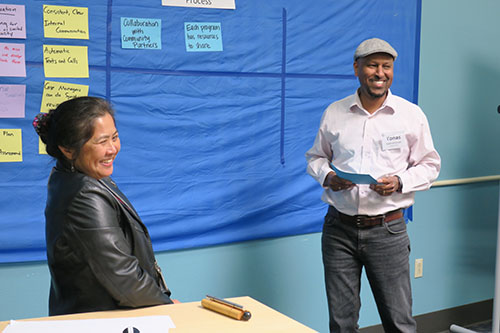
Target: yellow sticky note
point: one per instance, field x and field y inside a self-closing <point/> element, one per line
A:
<point x="54" y="93"/>
<point x="65" y="61"/>
<point x="11" y="147"/>
<point x="65" y="22"/>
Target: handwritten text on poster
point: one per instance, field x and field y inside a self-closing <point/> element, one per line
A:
<point x="65" y="61"/>
<point x="54" y="93"/>
<point x="140" y="33"/>
<point x="12" y="60"/>
<point x="12" y="21"/>
<point x="11" y="148"/>
<point x="13" y="97"/>
<point x="203" y="36"/>
<point x="65" y="22"/>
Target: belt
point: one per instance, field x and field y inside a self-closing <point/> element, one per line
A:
<point x="364" y="221"/>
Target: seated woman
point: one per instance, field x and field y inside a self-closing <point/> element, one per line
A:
<point x="98" y="250"/>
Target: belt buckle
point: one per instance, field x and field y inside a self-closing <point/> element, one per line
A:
<point x="361" y="221"/>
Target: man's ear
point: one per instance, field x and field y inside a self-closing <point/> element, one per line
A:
<point x="355" y="65"/>
<point x="68" y="153"/>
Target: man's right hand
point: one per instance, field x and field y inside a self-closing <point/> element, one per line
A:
<point x="336" y="183"/>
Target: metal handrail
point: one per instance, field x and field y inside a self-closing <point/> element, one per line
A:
<point x="461" y="181"/>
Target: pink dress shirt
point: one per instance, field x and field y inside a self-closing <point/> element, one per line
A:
<point x="394" y="140"/>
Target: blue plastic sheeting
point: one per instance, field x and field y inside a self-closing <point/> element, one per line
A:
<point x="213" y="143"/>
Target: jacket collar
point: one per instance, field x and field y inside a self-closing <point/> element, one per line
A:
<point x="110" y="185"/>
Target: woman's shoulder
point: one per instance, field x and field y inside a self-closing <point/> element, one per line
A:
<point x="73" y="184"/>
<point x="88" y="204"/>
<point x="77" y="199"/>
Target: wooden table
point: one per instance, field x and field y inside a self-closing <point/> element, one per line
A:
<point x="192" y="317"/>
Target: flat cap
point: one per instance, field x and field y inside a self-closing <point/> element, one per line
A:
<point x="374" y="45"/>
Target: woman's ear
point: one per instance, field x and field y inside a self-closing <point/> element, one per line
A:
<point x="68" y="153"/>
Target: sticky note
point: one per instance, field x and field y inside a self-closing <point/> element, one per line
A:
<point x="65" y="61"/>
<point x="11" y="148"/>
<point x="65" y="22"/>
<point x="140" y="33"/>
<point x="54" y="93"/>
<point x="12" y="60"/>
<point x="13" y="97"/>
<point x="203" y="36"/>
<point x="12" y="21"/>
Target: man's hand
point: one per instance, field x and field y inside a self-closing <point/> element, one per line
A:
<point x="336" y="183"/>
<point x="386" y="185"/>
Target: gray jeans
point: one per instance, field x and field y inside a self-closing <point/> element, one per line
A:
<point x="384" y="252"/>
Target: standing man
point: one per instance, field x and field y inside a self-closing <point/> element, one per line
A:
<point x="377" y="133"/>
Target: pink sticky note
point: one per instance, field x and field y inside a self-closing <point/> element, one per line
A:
<point x="12" y="21"/>
<point x="13" y="97"/>
<point x="12" y="60"/>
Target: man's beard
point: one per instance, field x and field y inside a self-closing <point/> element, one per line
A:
<point x="375" y="95"/>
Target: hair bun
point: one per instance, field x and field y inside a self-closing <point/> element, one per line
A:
<point x="40" y="123"/>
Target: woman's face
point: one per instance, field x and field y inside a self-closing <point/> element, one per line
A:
<point x="97" y="155"/>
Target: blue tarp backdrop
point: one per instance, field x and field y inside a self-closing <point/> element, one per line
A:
<point x="213" y="143"/>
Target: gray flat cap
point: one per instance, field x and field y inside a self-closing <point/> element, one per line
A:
<point x="374" y="45"/>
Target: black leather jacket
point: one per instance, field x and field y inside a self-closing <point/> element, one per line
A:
<point x="98" y="250"/>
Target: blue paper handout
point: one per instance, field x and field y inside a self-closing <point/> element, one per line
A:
<point x="356" y="178"/>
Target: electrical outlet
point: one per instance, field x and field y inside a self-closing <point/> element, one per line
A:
<point x="419" y="268"/>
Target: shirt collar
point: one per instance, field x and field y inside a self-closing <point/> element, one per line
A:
<point x="388" y="104"/>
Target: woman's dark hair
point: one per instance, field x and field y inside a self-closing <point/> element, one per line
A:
<point x="71" y="125"/>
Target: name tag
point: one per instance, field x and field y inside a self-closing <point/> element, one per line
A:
<point x="392" y="140"/>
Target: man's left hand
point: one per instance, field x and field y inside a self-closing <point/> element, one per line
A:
<point x="386" y="185"/>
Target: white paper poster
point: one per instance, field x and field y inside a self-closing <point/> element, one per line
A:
<point x="149" y="324"/>
<point x="221" y="4"/>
